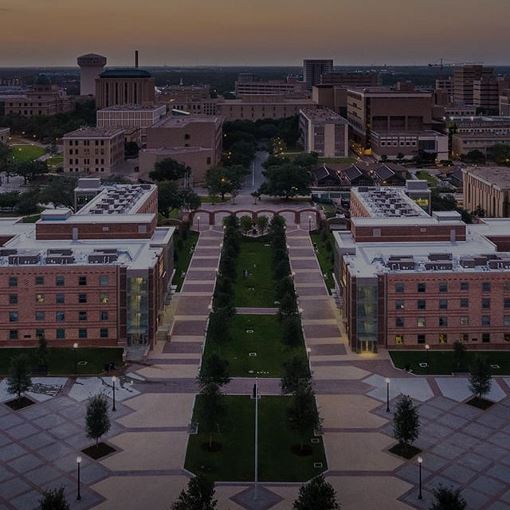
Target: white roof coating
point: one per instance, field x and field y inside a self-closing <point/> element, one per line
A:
<point x="388" y="202"/>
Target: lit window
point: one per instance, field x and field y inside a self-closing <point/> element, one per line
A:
<point x="399" y="339"/>
<point x="104" y="299"/>
<point x="39" y="298"/>
<point x="420" y="322"/>
<point x="443" y="338"/>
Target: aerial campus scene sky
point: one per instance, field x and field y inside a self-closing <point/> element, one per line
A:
<point x="255" y="32"/>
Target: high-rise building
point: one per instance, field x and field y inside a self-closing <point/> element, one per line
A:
<point x="463" y="81"/>
<point x="91" y="66"/>
<point x="313" y="69"/>
<point x="486" y="92"/>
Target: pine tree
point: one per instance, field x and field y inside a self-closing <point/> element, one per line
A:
<point x="97" y="421"/>
<point x="18" y="380"/>
<point x="317" y="495"/>
<point x="198" y="496"/>
<point x="295" y="371"/>
<point x="54" y="500"/>
<point x="213" y="409"/>
<point x="406" y="422"/>
<point x="481" y="378"/>
<point x="448" y="499"/>
<point x="214" y="370"/>
<point x="302" y="413"/>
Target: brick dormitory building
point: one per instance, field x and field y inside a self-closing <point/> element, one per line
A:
<point x="98" y="277"/>
<point x="409" y="279"/>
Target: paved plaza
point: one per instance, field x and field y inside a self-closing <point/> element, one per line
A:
<point x="462" y="446"/>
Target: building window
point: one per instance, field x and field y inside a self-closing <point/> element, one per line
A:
<point x="39" y="333"/>
<point x="103" y="280"/>
<point x="82" y="316"/>
<point x="82" y="333"/>
<point x="464" y="321"/>
<point x="507" y="303"/>
<point x="506" y="337"/>
<point x="13" y="281"/>
<point x="420" y="322"/>
<point x="13" y="334"/>
<point x="486" y="286"/>
<point x="60" y="333"/>
<point x="60" y="316"/>
<point x="443" y="321"/>
<point x="464" y="303"/>
<point x="39" y="280"/>
<point x="486" y="303"/>
<point x="486" y="320"/>
<point x="104" y="316"/>
<point x="399" y="322"/>
<point x="443" y="287"/>
<point x="486" y="337"/>
<point x="422" y="287"/>
<point x="464" y="285"/>
<point x="443" y="338"/>
<point x="506" y="320"/>
<point x="59" y="299"/>
<point x="103" y="332"/>
<point x="399" y="305"/>
<point x="82" y="298"/>
<point x="59" y="281"/>
<point x="39" y="316"/>
<point x="39" y="298"/>
<point x="399" y="339"/>
<point x="507" y="287"/>
<point x="104" y="299"/>
<point x="443" y="304"/>
<point x="13" y="299"/>
<point x="13" y="316"/>
<point x="464" y="337"/>
<point x="82" y="280"/>
<point x="421" y="304"/>
<point x="421" y="339"/>
<point x="399" y="287"/>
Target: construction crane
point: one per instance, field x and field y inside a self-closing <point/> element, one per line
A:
<point x="441" y="64"/>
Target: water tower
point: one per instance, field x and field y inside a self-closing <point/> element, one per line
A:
<point x="91" y="66"/>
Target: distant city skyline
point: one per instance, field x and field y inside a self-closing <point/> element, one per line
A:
<point x="254" y="32"/>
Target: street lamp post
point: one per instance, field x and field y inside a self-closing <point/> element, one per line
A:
<point x="75" y="354"/>
<point x="256" y="479"/>
<point x="114" y="380"/>
<point x="309" y="223"/>
<point x="427" y="349"/>
<point x="387" y="394"/>
<point x="198" y="223"/>
<point x="78" y="464"/>
<point x="420" y="462"/>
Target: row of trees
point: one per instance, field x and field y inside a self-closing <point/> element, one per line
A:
<point x="499" y="153"/>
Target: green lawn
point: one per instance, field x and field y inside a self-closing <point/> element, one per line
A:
<point x="22" y="153"/>
<point x="184" y="252"/>
<point x="442" y="362"/>
<point x="325" y="257"/>
<point x="424" y="175"/>
<point x="55" y="162"/>
<point x="31" y="219"/>
<point x="265" y="341"/>
<point x="256" y="290"/>
<point x="235" y="461"/>
<point x="62" y="360"/>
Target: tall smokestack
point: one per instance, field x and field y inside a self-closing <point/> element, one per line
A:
<point x="136" y="59"/>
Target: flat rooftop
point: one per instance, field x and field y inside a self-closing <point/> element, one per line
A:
<point x="94" y="132"/>
<point x="476" y="254"/>
<point x="133" y="108"/>
<point x="323" y="116"/>
<point x="388" y="202"/>
<point x="180" y="121"/>
<point x="498" y="176"/>
<point x="118" y="199"/>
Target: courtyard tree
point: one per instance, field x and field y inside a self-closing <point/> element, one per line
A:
<point x="54" y="499"/>
<point x="406" y="422"/>
<point x="169" y="197"/>
<point x="169" y="170"/>
<point x="262" y="223"/>
<point x="448" y="499"/>
<point x="30" y="169"/>
<point x="59" y="192"/>
<point x="316" y="495"/>
<point x="295" y="372"/>
<point x="42" y="353"/>
<point x="214" y="370"/>
<point x="213" y="410"/>
<point x="480" y="381"/>
<point x="246" y="223"/>
<point x="286" y="180"/>
<point x="218" y="329"/>
<point x="302" y="412"/>
<point x="18" y="379"/>
<point x="221" y="180"/>
<point x="459" y="353"/>
<point x="199" y="495"/>
<point x="291" y="326"/>
<point x="288" y="304"/>
<point x="97" y="420"/>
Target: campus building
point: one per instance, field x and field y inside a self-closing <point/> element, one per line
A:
<point x="42" y="100"/>
<point x="125" y="87"/>
<point x="504" y="103"/>
<point x="98" y="277"/>
<point x="313" y="69"/>
<point x="487" y="189"/>
<point x="325" y="132"/>
<point x="193" y="140"/>
<point x="290" y="87"/>
<point x="407" y="279"/>
<point x="464" y="78"/>
<point x="5" y="133"/>
<point x="133" y="119"/>
<point x="486" y="93"/>
<point x="93" y="150"/>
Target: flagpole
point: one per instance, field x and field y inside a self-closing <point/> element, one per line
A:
<point x="256" y="396"/>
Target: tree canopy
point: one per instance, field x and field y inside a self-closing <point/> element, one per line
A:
<point x="286" y="180"/>
<point x="97" y="421"/>
<point x="221" y="180"/>
<point x="317" y="495"/>
<point x="169" y="170"/>
<point x="198" y="496"/>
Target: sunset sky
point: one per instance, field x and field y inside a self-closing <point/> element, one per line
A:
<point x="254" y="32"/>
